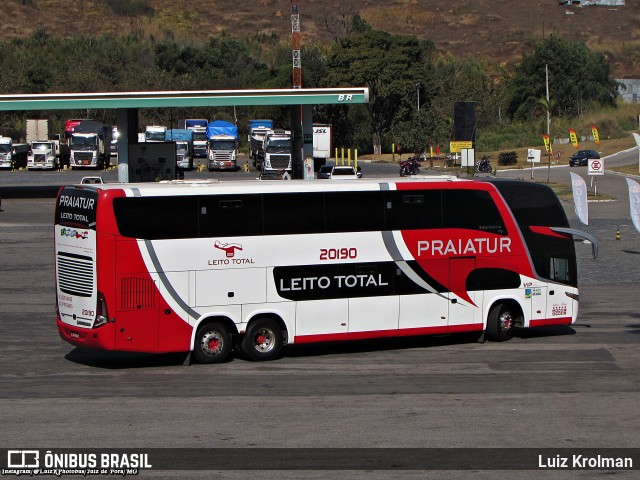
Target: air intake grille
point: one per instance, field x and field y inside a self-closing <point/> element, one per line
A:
<point x="137" y="293"/>
<point x="280" y="161"/>
<point x="75" y="274"/>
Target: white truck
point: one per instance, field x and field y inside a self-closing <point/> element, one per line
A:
<point x="276" y="149"/>
<point x="155" y="133"/>
<point x="44" y="155"/>
<point x="37" y="129"/>
<point x="90" y="145"/>
<point x="321" y="145"/>
<point x="13" y="155"/>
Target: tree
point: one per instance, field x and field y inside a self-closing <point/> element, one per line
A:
<point x="577" y="77"/>
<point x="390" y="66"/>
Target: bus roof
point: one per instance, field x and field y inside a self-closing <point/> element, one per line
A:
<point x="198" y="187"/>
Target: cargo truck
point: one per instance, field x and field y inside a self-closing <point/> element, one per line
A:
<point x="90" y="145"/>
<point x="183" y="139"/>
<point x="155" y="133"/>
<point x="321" y="145"/>
<point x="44" y="155"/>
<point x="37" y="129"/>
<point x="199" y="128"/>
<point x="257" y="129"/>
<point x="13" y="155"/>
<point x="276" y="150"/>
<point x="222" y="145"/>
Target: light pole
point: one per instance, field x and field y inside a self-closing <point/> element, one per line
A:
<point x="418" y="90"/>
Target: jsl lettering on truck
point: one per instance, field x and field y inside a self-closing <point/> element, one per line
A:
<point x="205" y="268"/>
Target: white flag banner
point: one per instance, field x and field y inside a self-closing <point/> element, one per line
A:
<point x="634" y="202"/>
<point x="579" y="189"/>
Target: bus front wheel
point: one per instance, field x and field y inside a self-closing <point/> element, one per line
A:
<point x="500" y="323"/>
<point x="263" y="340"/>
<point x="212" y="343"/>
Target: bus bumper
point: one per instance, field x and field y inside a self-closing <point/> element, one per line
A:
<point x="102" y="338"/>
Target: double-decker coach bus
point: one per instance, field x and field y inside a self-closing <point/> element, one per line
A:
<point x="205" y="267"/>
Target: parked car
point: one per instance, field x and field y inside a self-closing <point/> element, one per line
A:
<point x="325" y="171"/>
<point x="581" y="158"/>
<point x="339" y="172"/>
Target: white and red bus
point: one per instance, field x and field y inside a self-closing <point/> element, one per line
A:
<point x="206" y="267"/>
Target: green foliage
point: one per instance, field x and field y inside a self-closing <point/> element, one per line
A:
<point x="131" y="8"/>
<point x="507" y="158"/>
<point x="395" y="68"/>
<point x="578" y="78"/>
<point x="390" y="66"/>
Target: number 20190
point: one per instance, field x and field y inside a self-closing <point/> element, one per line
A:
<point x="338" y="253"/>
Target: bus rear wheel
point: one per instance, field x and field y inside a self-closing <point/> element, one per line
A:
<point x="263" y="340"/>
<point x="501" y="323"/>
<point x="212" y="343"/>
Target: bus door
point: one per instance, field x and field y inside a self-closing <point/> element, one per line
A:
<point x="422" y="310"/>
<point x="464" y="305"/>
<point x="537" y="298"/>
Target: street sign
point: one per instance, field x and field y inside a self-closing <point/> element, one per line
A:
<point x="455" y="146"/>
<point x="533" y="155"/>
<point x="596" y="166"/>
<point x="468" y="157"/>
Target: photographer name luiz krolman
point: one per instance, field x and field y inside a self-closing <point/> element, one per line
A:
<point x="581" y="461"/>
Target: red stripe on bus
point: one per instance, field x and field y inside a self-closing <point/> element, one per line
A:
<point x="543" y="322"/>
<point x="403" y="332"/>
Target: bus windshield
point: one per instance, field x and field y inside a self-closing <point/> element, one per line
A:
<point x="534" y="205"/>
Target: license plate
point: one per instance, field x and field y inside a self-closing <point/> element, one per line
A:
<point x="85" y="162"/>
<point x="74" y="335"/>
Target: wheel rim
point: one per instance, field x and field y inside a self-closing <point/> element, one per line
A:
<point x="506" y="321"/>
<point x="212" y="343"/>
<point x="264" y="340"/>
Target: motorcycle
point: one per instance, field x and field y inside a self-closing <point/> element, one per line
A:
<point x="410" y="166"/>
<point x="483" y="166"/>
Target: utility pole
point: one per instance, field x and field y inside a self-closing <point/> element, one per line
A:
<point x="546" y="71"/>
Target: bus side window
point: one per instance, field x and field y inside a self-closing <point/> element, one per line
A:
<point x="293" y="213"/>
<point x="354" y="211"/>
<point x="472" y="210"/>
<point x="230" y="216"/>
<point x="413" y="210"/>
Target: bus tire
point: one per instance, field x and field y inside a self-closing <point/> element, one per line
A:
<point x="262" y="340"/>
<point x="501" y="323"/>
<point x="212" y="343"/>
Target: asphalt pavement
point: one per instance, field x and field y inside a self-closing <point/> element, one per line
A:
<point x="560" y="389"/>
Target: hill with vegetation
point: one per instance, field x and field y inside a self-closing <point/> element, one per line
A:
<point x="417" y="57"/>
<point x="497" y="30"/>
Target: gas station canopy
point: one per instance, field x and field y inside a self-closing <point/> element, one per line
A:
<point x="191" y="98"/>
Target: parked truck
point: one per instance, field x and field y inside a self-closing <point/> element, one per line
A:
<point x="222" y="145"/>
<point x="44" y="155"/>
<point x="13" y="155"/>
<point x="257" y="129"/>
<point x="155" y="133"/>
<point x="183" y="139"/>
<point x="321" y="145"/>
<point x="37" y="129"/>
<point x="199" y="128"/>
<point x="90" y="145"/>
<point x="276" y="149"/>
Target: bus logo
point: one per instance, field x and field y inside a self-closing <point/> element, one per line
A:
<point x="229" y="248"/>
